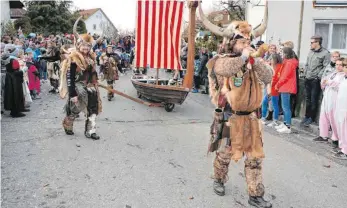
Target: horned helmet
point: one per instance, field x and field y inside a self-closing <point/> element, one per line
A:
<point x="84" y="38"/>
<point x="237" y="29"/>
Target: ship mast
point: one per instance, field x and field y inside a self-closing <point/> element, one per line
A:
<point x="188" y="78"/>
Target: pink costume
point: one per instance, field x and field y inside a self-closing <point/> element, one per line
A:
<point x="330" y="85"/>
<point x="341" y="115"/>
<point x="34" y="81"/>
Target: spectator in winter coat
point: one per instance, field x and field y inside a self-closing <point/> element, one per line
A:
<point x="273" y="93"/>
<point x="330" y="68"/>
<point x="13" y="90"/>
<point x="286" y="86"/>
<point x="268" y="55"/>
<point x="197" y="64"/>
<point x="184" y="55"/>
<point x="34" y="77"/>
<point x="203" y="70"/>
<point x="317" y="59"/>
<point x="36" y="52"/>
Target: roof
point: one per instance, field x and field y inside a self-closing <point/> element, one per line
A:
<point x="89" y="12"/>
<point x="17" y="13"/>
<point x="16" y="4"/>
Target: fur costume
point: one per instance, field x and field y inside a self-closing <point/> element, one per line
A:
<point x="77" y="58"/>
<point x="109" y="71"/>
<point x="244" y="135"/>
<point x="236" y="84"/>
<point x="246" y="97"/>
<point x="81" y="77"/>
<point x="53" y="61"/>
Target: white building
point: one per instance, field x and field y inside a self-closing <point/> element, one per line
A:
<point x="326" y="18"/>
<point x="5" y="11"/>
<point x="11" y="10"/>
<point x="97" y="22"/>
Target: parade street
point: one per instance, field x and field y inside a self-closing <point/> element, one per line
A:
<point x="149" y="158"/>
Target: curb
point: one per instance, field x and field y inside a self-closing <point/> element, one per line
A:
<point x="313" y="129"/>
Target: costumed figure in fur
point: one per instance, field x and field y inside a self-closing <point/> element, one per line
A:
<point x="108" y="68"/>
<point x="81" y="85"/>
<point x="53" y="65"/>
<point x="236" y="81"/>
<point x="65" y="52"/>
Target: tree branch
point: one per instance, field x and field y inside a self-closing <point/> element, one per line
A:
<point x="234" y="8"/>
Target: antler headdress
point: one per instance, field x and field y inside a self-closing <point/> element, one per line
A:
<point x="237" y="29"/>
<point x="84" y="38"/>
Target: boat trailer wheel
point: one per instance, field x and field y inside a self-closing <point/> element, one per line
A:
<point x="139" y="95"/>
<point x="169" y="107"/>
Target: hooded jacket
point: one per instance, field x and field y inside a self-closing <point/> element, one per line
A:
<point x="287" y="80"/>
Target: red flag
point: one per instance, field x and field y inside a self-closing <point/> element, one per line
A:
<point x="158" y="33"/>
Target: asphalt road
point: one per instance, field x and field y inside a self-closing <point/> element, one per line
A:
<point x="148" y="158"/>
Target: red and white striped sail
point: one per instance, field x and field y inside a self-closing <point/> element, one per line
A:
<point x="158" y="33"/>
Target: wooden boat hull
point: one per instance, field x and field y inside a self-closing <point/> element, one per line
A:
<point x="160" y="93"/>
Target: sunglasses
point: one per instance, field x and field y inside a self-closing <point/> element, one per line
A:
<point x="314" y="42"/>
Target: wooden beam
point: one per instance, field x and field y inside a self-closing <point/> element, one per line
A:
<point x="126" y="96"/>
<point x="300" y="28"/>
<point x="188" y="78"/>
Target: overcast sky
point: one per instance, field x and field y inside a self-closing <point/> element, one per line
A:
<point x="123" y="12"/>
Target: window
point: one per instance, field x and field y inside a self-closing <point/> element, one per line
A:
<point x="330" y="3"/>
<point x="94" y="26"/>
<point x="333" y="32"/>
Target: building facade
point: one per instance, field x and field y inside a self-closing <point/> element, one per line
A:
<point x="97" y="22"/>
<point x="298" y="21"/>
<point x="5" y="11"/>
<point x="11" y="10"/>
<point x="325" y="18"/>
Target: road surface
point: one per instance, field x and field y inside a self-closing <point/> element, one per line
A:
<point x="148" y="158"/>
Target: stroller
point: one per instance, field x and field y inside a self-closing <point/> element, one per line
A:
<point x="125" y="57"/>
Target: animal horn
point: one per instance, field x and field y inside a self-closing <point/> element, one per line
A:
<point x="75" y="28"/>
<point x="261" y="29"/>
<point x="212" y="27"/>
<point x="64" y="50"/>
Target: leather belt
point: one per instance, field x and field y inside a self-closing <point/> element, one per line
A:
<point x="241" y="113"/>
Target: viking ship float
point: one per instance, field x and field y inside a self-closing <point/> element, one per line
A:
<point x="158" y="39"/>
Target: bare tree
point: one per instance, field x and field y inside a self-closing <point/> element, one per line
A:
<point x="109" y="31"/>
<point x="126" y="32"/>
<point x="235" y="8"/>
<point x="7" y="28"/>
